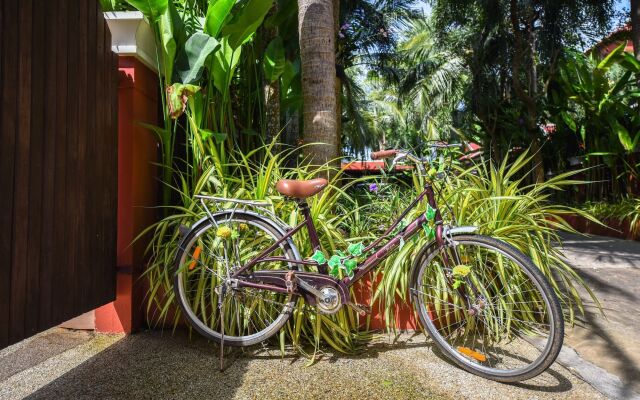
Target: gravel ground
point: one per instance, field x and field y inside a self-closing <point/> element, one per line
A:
<point x="156" y="365"/>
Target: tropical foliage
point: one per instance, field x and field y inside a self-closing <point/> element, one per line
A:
<point x="232" y="75"/>
<point x="486" y="195"/>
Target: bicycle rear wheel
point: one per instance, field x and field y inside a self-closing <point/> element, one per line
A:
<point x="207" y="256"/>
<point x="488" y="308"/>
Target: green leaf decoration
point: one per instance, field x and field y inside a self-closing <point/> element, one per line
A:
<point x="152" y="9"/>
<point x="429" y="231"/>
<point x="335" y="271"/>
<point x="319" y="257"/>
<point x="217" y="13"/>
<point x="430" y="214"/>
<point x="335" y="261"/>
<point x="356" y="249"/>
<point x="235" y="234"/>
<point x="274" y="60"/>
<point x="457" y="283"/>
<point x="191" y="59"/>
<point x="349" y="266"/>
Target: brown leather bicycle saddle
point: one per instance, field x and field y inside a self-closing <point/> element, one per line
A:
<point x="299" y="189"/>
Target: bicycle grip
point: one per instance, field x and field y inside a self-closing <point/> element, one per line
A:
<point x="379" y="155"/>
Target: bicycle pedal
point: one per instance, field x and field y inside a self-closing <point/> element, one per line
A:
<point x="361" y="309"/>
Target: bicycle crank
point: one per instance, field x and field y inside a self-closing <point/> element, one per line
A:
<point x="327" y="297"/>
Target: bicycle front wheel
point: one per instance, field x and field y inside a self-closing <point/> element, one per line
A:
<point x="208" y="255"/>
<point x="488" y="308"/>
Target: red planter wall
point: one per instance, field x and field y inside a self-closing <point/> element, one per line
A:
<point x="137" y="193"/>
<point x="614" y="227"/>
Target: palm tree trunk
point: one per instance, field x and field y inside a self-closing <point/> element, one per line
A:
<point x="317" y="52"/>
<point x="524" y="42"/>
<point x="338" y="84"/>
<point x="272" y="90"/>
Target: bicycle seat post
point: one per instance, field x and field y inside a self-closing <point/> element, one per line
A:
<point x="311" y="228"/>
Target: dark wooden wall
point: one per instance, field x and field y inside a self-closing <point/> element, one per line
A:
<point x="58" y="164"/>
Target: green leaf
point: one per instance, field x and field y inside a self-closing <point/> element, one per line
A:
<point x="218" y="137"/>
<point x="356" y="249"/>
<point x="172" y="37"/>
<point x="225" y="61"/>
<point x="274" y="60"/>
<point x="457" y="283"/>
<point x="289" y="75"/>
<point x="623" y="135"/>
<point x="192" y="57"/>
<point x="335" y="261"/>
<point x="217" y="14"/>
<point x="430" y="213"/>
<point x="152" y="9"/>
<point x="319" y="257"/>
<point x="611" y="58"/>
<point x="401" y="243"/>
<point x="568" y="120"/>
<point x="335" y="271"/>
<point x="630" y="62"/>
<point x="349" y="266"/>
<point x="247" y="22"/>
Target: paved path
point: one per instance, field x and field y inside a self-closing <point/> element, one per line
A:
<point x="149" y="365"/>
<point x="612" y="268"/>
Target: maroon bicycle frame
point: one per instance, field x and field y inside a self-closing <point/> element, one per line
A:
<point x="367" y="265"/>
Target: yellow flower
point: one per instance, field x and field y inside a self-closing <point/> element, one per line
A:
<point x="244" y="227"/>
<point x="461" y="270"/>
<point x="223" y="232"/>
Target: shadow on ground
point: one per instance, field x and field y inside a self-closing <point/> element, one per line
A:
<point x="156" y="365"/>
<point x="150" y="365"/>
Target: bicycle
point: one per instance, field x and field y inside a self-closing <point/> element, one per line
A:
<point x="238" y="279"/>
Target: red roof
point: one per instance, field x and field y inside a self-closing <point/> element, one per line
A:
<point x="473" y="150"/>
<point x="373" y="166"/>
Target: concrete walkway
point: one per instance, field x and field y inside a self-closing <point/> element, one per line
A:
<point x="154" y="366"/>
<point x="611" y="267"/>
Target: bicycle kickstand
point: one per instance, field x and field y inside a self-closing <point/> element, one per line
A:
<point x="221" y="314"/>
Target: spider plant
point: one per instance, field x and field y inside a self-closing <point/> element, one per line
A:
<point x="244" y="178"/>
<point x="496" y="199"/>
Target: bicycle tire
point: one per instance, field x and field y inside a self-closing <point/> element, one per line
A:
<point x="457" y="355"/>
<point x="186" y="244"/>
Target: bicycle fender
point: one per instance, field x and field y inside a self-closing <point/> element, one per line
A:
<point x="264" y="219"/>
<point x="460" y="230"/>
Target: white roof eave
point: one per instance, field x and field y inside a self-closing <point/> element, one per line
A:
<point x="131" y="35"/>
